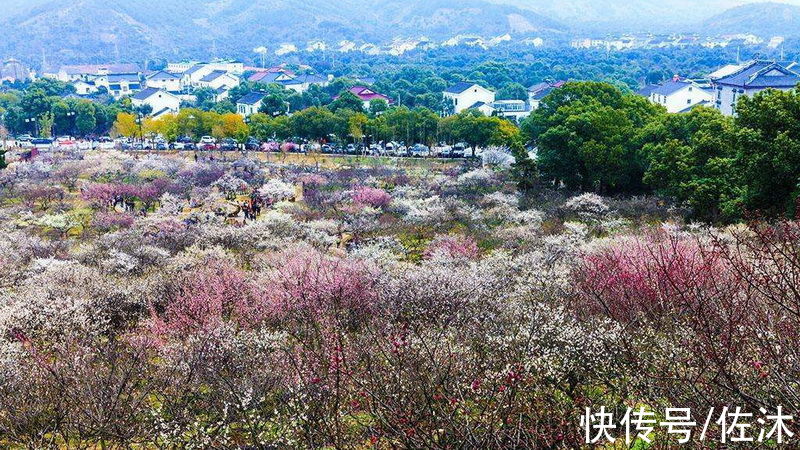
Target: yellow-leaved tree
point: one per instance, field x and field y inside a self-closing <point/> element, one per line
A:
<point x="125" y="125"/>
<point x="230" y="126"/>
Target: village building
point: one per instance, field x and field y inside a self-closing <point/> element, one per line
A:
<point x="749" y="79"/>
<point x="367" y="95"/>
<point x="678" y="95"/>
<point x="84" y="88"/>
<point x="250" y="103"/>
<point x="539" y="91"/>
<point x="466" y="95"/>
<point x="219" y="79"/>
<point x="164" y="80"/>
<point x="119" y="84"/>
<point x="89" y="72"/>
<point x="161" y="101"/>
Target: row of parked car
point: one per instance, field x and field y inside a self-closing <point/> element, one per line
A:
<point x="398" y="150"/>
<point x="208" y="143"/>
<point x="62" y="142"/>
<point x="252" y="144"/>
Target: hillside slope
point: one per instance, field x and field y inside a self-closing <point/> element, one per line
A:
<point x="763" y="19"/>
<point x="97" y="29"/>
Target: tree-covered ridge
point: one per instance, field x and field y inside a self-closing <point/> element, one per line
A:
<point x="593" y="137"/>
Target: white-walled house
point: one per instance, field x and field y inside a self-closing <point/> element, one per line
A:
<point x="191" y="78"/>
<point x="465" y="95"/>
<point x="539" y="91"/>
<point x="486" y="108"/>
<point x="167" y="81"/>
<point x="196" y="76"/>
<point x="84" y="88"/>
<point x="515" y="110"/>
<point x="302" y="83"/>
<point x="160" y="100"/>
<point x="250" y="103"/>
<point x="221" y="94"/>
<point x="219" y="79"/>
<point x="88" y="72"/>
<point x="750" y="78"/>
<point x="679" y="95"/>
<point x="181" y="67"/>
<point x="119" y="84"/>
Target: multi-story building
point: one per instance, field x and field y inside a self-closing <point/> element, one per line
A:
<point x="678" y="95"/>
<point x="749" y="79"/>
<point x="465" y="95"/>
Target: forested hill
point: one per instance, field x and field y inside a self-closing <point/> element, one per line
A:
<point x="99" y="29"/>
<point x="763" y="19"/>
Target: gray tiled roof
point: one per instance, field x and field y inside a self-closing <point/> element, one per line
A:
<point x="252" y="98"/>
<point x="670" y="87"/>
<point x="477" y="105"/>
<point x="647" y="90"/>
<point x="163" y="75"/>
<point x="144" y="94"/>
<point x="542" y="93"/>
<point x="761" y="75"/>
<point x="213" y="76"/>
<point x="459" y="87"/>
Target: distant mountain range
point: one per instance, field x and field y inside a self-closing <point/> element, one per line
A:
<point x="68" y="30"/>
<point x="763" y="19"/>
<point x="626" y="15"/>
<point x="102" y="30"/>
<point x="642" y="15"/>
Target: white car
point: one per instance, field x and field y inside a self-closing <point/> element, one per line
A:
<point x="207" y="140"/>
<point x="459" y="150"/>
<point x="420" y="150"/>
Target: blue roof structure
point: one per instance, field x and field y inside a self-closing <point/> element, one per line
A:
<point x="252" y="98"/>
<point x="459" y="87"/>
<point x="761" y="75"/>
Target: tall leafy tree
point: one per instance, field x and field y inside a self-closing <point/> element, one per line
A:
<point x="769" y="151"/>
<point x="587" y="137"/>
<point x="691" y="159"/>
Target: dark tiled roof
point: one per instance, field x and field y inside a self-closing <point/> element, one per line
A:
<point x="160" y="112"/>
<point x="194" y="69"/>
<point x="459" y="87"/>
<point x="252" y="98"/>
<point x="163" y="75"/>
<point x="761" y="75"/>
<point x="266" y="77"/>
<point x="538" y="87"/>
<point x="670" y="87"/>
<point x="311" y="79"/>
<point x="477" y="105"/>
<point x="213" y="76"/>
<point x="647" y="90"/>
<point x="543" y="93"/>
<point x="540" y="90"/>
<point x="144" y="94"/>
